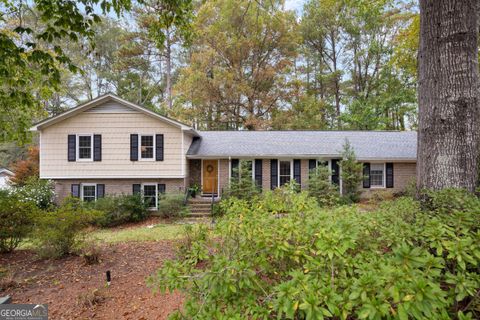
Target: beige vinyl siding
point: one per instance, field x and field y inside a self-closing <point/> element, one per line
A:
<point x="115" y="129"/>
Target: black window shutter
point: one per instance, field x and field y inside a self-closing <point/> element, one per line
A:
<point x="75" y="188"/>
<point x="366" y="175"/>
<point x="389" y="180"/>
<point x="297" y="170"/>
<point x="234" y="169"/>
<point x="100" y="190"/>
<point x="258" y="172"/>
<point x="273" y="173"/>
<point x="159" y="147"/>
<point x="312" y="164"/>
<point x="335" y="172"/>
<point x="72" y="148"/>
<point x="137" y="188"/>
<point x="134" y="147"/>
<point x="97" y="147"/>
<point x="161" y="188"/>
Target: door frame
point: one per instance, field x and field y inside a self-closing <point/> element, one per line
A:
<point x="218" y="175"/>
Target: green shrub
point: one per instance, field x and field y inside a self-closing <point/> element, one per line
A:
<point x="135" y="206"/>
<point x="241" y="185"/>
<point x="38" y="191"/>
<point x="193" y="247"/>
<point x="171" y="205"/>
<point x="450" y="200"/>
<point x="16" y="220"/>
<point x="60" y="232"/>
<point x="397" y="262"/>
<point x="351" y="173"/>
<point x="120" y="209"/>
<point x="320" y="187"/>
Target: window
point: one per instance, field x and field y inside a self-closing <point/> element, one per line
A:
<point x="84" y="143"/>
<point x="147" y="147"/>
<point x="377" y="174"/>
<point x="89" y="192"/>
<point x="150" y="195"/>
<point x="285" y="172"/>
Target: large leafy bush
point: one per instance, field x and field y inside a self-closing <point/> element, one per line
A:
<point x="60" y="232"/>
<point x="120" y="209"/>
<point x="39" y="191"/>
<point x="283" y="257"/>
<point x="16" y="220"/>
<point x="172" y="205"/>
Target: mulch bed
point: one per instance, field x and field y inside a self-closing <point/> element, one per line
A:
<point x="75" y="290"/>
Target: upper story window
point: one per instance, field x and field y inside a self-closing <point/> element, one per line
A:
<point x="147" y="147"/>
<point x="85" y="147"/>
<point x="377" y="175"/>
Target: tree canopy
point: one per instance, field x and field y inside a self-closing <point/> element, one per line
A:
<point x="216" y="64"/>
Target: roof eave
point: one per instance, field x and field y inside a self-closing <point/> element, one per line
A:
<point x="298" y="156"/>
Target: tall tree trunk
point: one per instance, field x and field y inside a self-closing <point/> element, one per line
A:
<point x="168" y="62"/>
<point x="336" y="79"/>
<point x="448" y="91"/>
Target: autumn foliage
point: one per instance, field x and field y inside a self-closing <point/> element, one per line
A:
<point x="26" y="168"/>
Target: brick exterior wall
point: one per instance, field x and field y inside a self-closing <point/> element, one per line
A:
<point x="403" y="174"/>
<point x="115" y="186"/>
<point x="266" y="174"/>
<point x="223" y="175"/>
<point x="304" y="173"/>
<point x="194" y="171"/>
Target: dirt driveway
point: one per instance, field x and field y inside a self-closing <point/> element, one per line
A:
<point x="75" y="290"/>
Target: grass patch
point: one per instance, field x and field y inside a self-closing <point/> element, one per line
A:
<point x="157" y="232"/>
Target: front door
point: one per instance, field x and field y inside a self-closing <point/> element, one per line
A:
<point x="210" y="176"/>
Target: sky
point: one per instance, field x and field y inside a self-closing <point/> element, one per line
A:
<point x="296" y="5"/>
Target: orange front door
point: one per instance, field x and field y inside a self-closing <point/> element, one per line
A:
<point x="210" y="176"/>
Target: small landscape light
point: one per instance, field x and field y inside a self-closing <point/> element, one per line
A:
<point x="109" y="278"/>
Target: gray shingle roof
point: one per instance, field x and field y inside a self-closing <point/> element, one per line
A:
<point x="368" y="145"/>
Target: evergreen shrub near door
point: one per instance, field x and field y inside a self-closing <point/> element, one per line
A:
<point x="397" y="262"/>
<point x="320" y="187"/>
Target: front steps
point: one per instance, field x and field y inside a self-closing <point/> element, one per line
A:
<point x="200" y="207"/>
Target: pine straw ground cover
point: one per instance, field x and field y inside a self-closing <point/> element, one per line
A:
<point x="75" y="289"/>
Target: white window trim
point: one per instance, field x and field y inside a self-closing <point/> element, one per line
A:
<point x="156" y="194"/>
<point x="140" y="158"/>
<point x="88" y="185"/>
<point x="383" y="186"/>
<point x="278" y="170"/>
<point x="77" y="137"/>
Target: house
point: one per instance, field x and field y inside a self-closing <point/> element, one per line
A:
<point x="5" y="176"/>
<point x="111" y="146"/>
